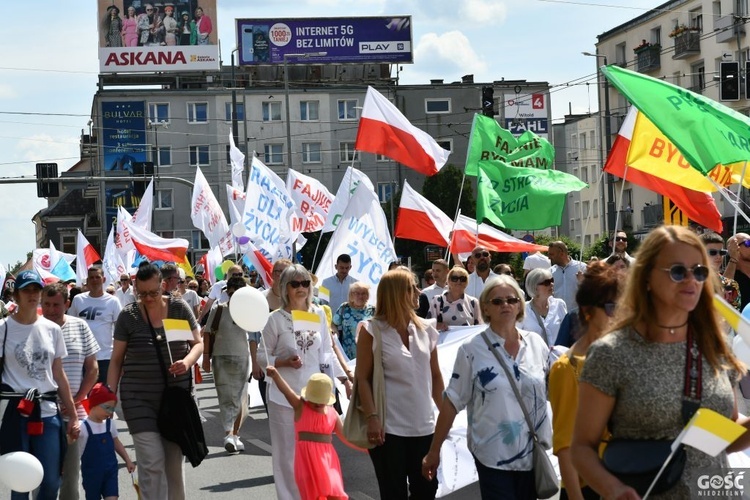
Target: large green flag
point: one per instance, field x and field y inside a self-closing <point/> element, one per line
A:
<point x="489" y="141"/>
<point x="522" y="198"/>
<point x="706" y="133"/>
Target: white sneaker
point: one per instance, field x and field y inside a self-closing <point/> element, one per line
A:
<point x="229" y="444"/>
<point x="239" y="445"/>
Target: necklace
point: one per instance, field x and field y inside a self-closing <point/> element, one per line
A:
<point x="672" y="328"/>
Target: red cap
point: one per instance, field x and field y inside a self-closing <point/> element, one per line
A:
<point x="101" y="394"/>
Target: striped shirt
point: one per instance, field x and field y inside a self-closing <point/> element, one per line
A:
<point x="80" y="343"/>
<point x="142" y="382"/>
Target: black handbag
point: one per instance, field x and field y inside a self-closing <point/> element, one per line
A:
<point x="179" y="420"/>
<point x="636" y="462"/>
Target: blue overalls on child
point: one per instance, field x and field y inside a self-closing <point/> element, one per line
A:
<point x="99" y="464"/>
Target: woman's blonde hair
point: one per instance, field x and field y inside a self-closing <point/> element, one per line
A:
<point x="458" y="271"/>
<point x="636" y="307"/>
<point x="358" y="286"/>
<point x="394" y="299"/>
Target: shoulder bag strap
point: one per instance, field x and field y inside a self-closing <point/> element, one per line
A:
<point x="2" y="360"/>
<point x="512" y="385"/>
<point x="158" y="349"/>
<point x="541" y="324"/>
<point x="217" y="318"/>
<point x="693" y="382"/>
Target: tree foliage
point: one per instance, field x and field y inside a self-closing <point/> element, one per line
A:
<point x="443" y="190"/>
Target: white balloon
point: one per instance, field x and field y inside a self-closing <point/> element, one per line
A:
<point x="238" y="230"/>
<point x="249" y="309"/>
<point x="741" y="350"/>
<point x="20" y="471"/>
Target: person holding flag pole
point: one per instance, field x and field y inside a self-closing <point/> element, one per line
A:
<point x="664" y="358"/>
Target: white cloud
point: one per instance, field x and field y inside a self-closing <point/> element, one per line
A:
<point x="484" y="11"/>
<point x="43" y="148"/>
<point x="448" y="53"/>
<point x="7" y="92"/>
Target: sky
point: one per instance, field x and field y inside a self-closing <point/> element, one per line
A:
<point x="48" y="69"/>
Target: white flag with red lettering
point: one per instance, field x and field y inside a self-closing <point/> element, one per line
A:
<point x="313" y="201"/>
<point x="206" y="212"/>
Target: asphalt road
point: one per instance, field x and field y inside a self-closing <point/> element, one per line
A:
<point x="249" y="474"/>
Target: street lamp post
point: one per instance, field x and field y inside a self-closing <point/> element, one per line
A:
<point x="235" y="127"/>
<point x="611" y="216"/>
<point x="286" y="100"/>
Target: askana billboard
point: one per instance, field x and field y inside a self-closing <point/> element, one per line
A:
<point x="146" y="37"/>
<point x="342" y="39"/>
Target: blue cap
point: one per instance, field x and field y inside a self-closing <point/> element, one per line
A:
<point x="27" y="278"/>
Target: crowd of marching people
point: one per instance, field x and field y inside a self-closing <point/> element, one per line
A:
<point x="623" y="349"/>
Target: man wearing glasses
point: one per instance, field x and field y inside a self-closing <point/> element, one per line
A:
<point x="100" y="311"/>
<point x="714" y="244"/>
<point x="125" y="293"/>
<point x="565" y="272"/>
<point x="440" y="276"/>
<point x="738" y="267"/>
<point x="620" y="247"/>
<point x="482" y="272"/>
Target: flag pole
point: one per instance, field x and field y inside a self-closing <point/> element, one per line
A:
<point x="315" y="254"/>
<point x="739" y="192"/>
<point x="732" y="202"/>
<point x="450" y="240"/>
<point x="622" y="190"/>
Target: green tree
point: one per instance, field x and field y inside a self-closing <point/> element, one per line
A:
<point x="443" y="190"/>
<point x="18" y="265"/>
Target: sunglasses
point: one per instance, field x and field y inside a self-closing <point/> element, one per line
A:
<point x="547" y="282"/>
<point x="192" y="287"/>
<point x="124" y="280"/>
<point x="108" y="408"/>
<point x="621" y="239"/>
<point x="153" y="294"/>
<point x="297" y="284"/>
<point x="237" y="275"/>
<point x="462" y="279"/>
<point x="746" y="243"/>
<point x="481" y="254"/>
<point x="678" y="272"/>
<point x="507" y="300"/>
<point x="609" y="308"/>
<point x="714" y="252"/>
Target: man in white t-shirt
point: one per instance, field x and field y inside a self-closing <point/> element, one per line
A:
<point x="482" y="272"/>
<point x="218" y="290"/>
<point x="125" y="293"/>
<point x="188" y="295"/>
<point x="440" y="275"/>
<point x="536" y="260"/>
<point x="100" y="311"/>
<point x="80" y="367"/>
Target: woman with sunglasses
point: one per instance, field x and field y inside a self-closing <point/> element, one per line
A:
<point x="498" y="434"/>
<point x="666" y="349"/>
<point x="413" y="382"/>
<point x="544" y="313"/>
<point x="136" y="369"/>
<point x="296" y="354"/>
<point x="596" y="297"/>
<point x="453" y="307"/>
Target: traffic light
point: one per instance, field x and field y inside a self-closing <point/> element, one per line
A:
<point x="488" y="101"/>
<point x="747" y="72"/>
<point x="44" y="187"/>
<point x="142" y="170"/>
<point x="729" y="89"/>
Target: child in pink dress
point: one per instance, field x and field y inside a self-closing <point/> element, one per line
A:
<point x="317" y="470"/>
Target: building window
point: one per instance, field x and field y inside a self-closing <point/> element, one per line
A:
<point x="446" y="144"/>
<point x="696" y="19"/>
<point x="621" y="57"/>
<point x="165" y="234"/>
<point x="68" y="242"/>
<point x="163" y="199"/>
<point x="272" y="111"/>
<point x="437" y="106"/>
<point x="698" y="77"/>
<point x="385" y="191"/>
<point x="347" y="153"/>
<point x="158" y="112"/>
<point x="164" y="157"/>
<point x="582" y="139"/>
<point x="596" y="210"/>
<point x="572" y="225"/>
<point x="199" y="156"/>
<point x="273" y="154"/>
<point x="656" y="35"/>
<point x="240" y="111"/>
<point x="382" y="158"/>
<point x="348" y="109"/>
<point x="311" y="152"/>
<point x="594" y="176"/>
<point x="197" y="112"/>
<point x="586" y="206"/>
<point x="198" y="240"/>
<point x="309" y="111"/>
<point x="585" y="173"/>
<point x="592" y="141"/>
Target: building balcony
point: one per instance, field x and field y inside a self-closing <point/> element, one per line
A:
<point x="648" y="58"/>
<point x="687" y="43"/>
<point x="653" y="215"/>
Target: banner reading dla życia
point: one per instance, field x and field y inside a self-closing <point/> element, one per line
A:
<point x="268" y="209"/>
<point x="363" y="235"/>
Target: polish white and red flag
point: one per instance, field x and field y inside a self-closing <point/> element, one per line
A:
<point x="254" y="257"/>
<point x="419" y="219"/>
<point x="154" y="247"/>
<point x="86" y="256"/>
<point x="384" y="130"/>
<point x="467" y="236"/>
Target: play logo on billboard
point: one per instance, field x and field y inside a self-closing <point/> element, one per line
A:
<point x="384" y="47"/>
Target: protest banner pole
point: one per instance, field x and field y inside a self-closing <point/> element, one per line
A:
<point x="450" y="239"/>
<point x="734" y="203"/>
<point x="622" y="190"/>
<point x="315" y="254"/>
<point x="739" y="193"/>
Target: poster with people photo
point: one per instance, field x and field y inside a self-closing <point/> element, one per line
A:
<point x="140" y="36"/>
